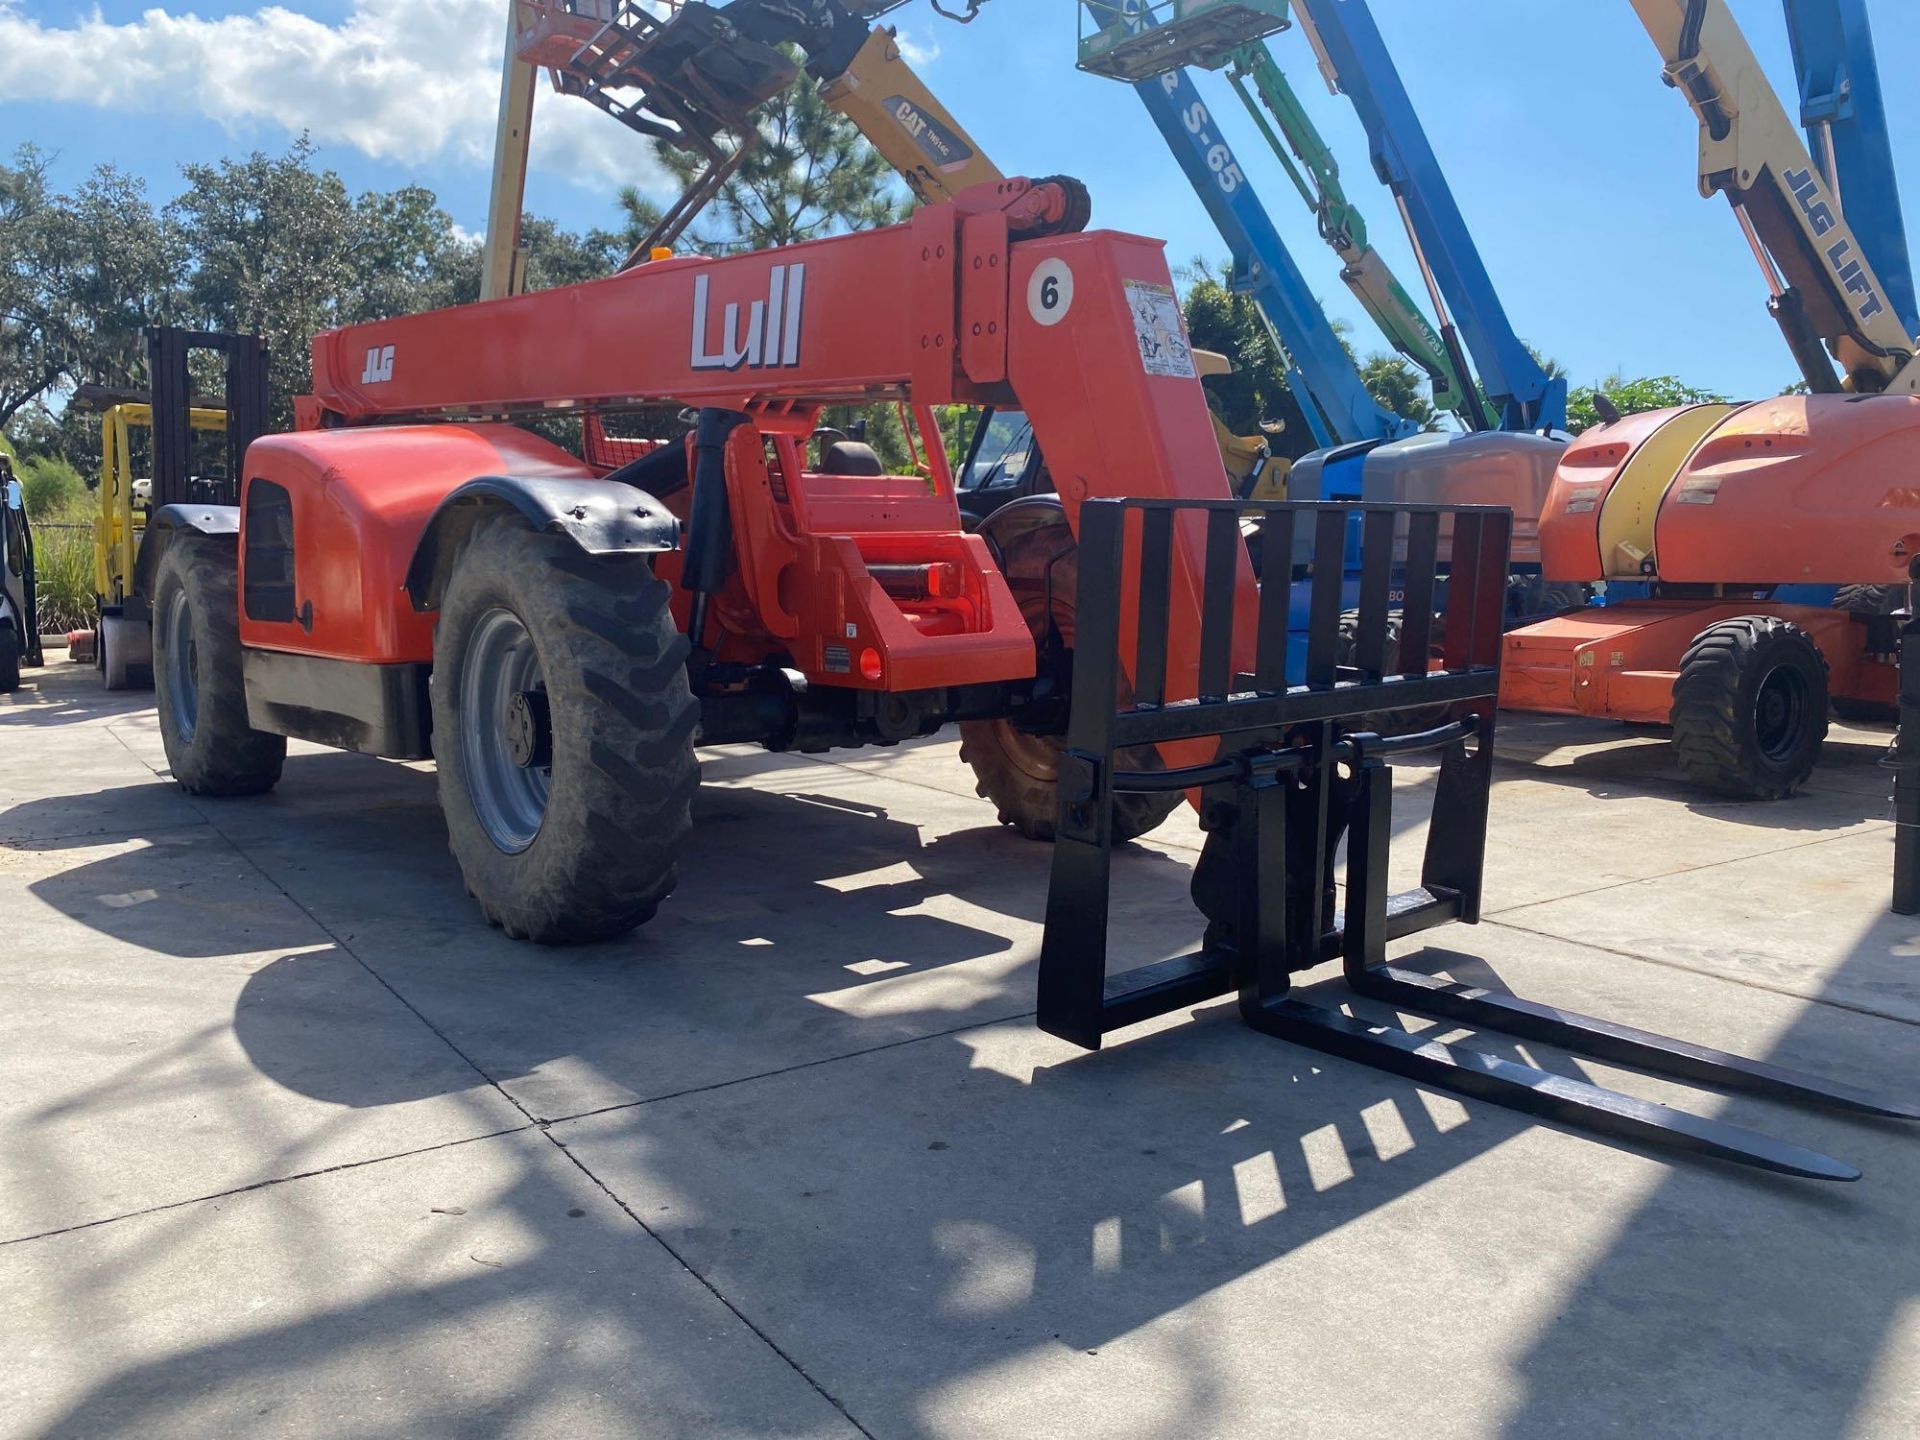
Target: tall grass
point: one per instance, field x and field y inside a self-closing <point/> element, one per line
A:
<point x="53" y="489"/>
<point x="63" y="577"/>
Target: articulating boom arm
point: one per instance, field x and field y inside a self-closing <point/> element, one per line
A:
<point x="1355" y="61"/>
<point x="1334" y="397"/>
<point x="1823" y="283"/>
<point x="1385" y="300"/>
<point x="1846" y="126"/>
<point x="1264" y="266"/>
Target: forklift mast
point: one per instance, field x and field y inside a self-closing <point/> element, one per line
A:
<point x="1354" y="59"/>
<point x="1826" y="294"/>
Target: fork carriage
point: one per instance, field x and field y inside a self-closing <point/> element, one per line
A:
<point x="1286" y="772"/>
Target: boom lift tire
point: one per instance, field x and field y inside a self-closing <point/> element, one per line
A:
<point x="1750" y="707"/>
<point x="200" y="691"/>
<point x="9" y="659"/>
<point x="1870" y="601"/>
<point x="1020" y="772"/>
<point x="1387" y="722"/>
<point x="545" y="653"/>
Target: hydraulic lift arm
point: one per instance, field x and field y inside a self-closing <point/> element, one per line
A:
<point x="1845" y="120"/>
<point x="1824" y="286"/>
<point x="1366" y="274"/>
<point x="1355" y="61"/>
<point x="1320" y="372"/>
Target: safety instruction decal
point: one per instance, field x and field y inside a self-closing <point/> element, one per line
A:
<point x="1157" y="328"/>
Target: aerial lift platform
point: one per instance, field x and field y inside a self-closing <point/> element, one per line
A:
<point x="1716" y="508"/>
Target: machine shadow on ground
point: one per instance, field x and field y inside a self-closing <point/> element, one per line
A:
<point x="1039" y="1198"/>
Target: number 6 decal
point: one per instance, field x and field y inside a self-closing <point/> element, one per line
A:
<point x="1050" y="292"/>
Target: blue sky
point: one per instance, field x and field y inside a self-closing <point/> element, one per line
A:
<point x="1570" y="159"/>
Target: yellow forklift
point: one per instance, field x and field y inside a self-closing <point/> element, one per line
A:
<point x="170" y="419"/>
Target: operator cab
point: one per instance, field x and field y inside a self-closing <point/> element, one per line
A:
<point x="1003" y="464"/>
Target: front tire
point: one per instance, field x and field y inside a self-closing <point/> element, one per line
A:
<point x="201" y="692"/>
<point x="1750" y="708"/>
<point x="9" y="659"/>
<point x="563" y="735"/>
<point x="1019" y="772"/>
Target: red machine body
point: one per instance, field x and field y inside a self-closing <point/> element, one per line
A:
<point x="946" y="307"/>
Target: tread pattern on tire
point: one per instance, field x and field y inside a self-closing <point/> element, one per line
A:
<point x="623" y="716"/>
<point x="1023" y="801"/>
<point x="1713" y="738"/>
<point x="1406" y="720"/>
<point x="226" y="756"/>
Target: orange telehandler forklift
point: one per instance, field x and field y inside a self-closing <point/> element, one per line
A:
<point x="1716" y="506"/>
<point x="412" y="572"/>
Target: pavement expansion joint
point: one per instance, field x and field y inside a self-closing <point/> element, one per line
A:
<point x="266" y="1184"/>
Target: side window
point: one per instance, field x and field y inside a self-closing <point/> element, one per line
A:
<point x="1000" y="454"/>
<point x="269" y="527"/>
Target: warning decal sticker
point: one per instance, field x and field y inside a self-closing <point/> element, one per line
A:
<point x="1157" y="328"/>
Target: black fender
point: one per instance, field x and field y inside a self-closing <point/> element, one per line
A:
<point x="171" y="521"/>
<point x="601" y="516"/>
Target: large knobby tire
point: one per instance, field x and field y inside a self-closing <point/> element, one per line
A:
<point x="563" y="734"/>
<point x="1531" y="597"/>
<point x="199" y="687"/>
<point x="9" y="658"/>
<point x="1407" y="720"/>
<point x="1870" y="601"/>
<point x="1750" y="707"/>
<point x="1018" y="772"/>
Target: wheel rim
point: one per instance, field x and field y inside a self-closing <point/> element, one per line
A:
<point x="1779" y="712"/>
<point x="183" y="666"/>
<point x="509" y="797"/>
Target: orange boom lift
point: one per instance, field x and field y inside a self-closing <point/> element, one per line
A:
<point x="1717" y="506"/>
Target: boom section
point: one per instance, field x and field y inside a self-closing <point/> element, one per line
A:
<point x="1355" y="61"/>
<point x="742" y="333"/>
<point x="1844" y="116"/>
<point x="1824" y="285"/>
<point x="1264" y="264"/>
<point x="1362" y="268"/>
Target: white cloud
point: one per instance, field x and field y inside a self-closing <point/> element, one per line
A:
<point x="398" y="80"/>
<point x="917" y="53"/>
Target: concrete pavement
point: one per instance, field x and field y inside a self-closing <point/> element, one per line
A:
<point x="292" y="1145"/>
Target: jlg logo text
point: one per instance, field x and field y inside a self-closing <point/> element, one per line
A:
<point x="379" y="366"/>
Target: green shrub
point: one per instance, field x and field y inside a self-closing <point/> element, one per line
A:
<point x="63" y="578"/>
<point x="53" y="488"/>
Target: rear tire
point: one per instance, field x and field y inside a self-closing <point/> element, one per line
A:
<point x="9" y="659"/>
<point x="1387" y="722"/>
<point x="1750" y="708"/>
<point x="202" y="695"/>
<point x="535" y="633"/>
<point x="1870" y="601"/>
<point x="1019" y="772"/>
<point x="1534" y="597"/>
